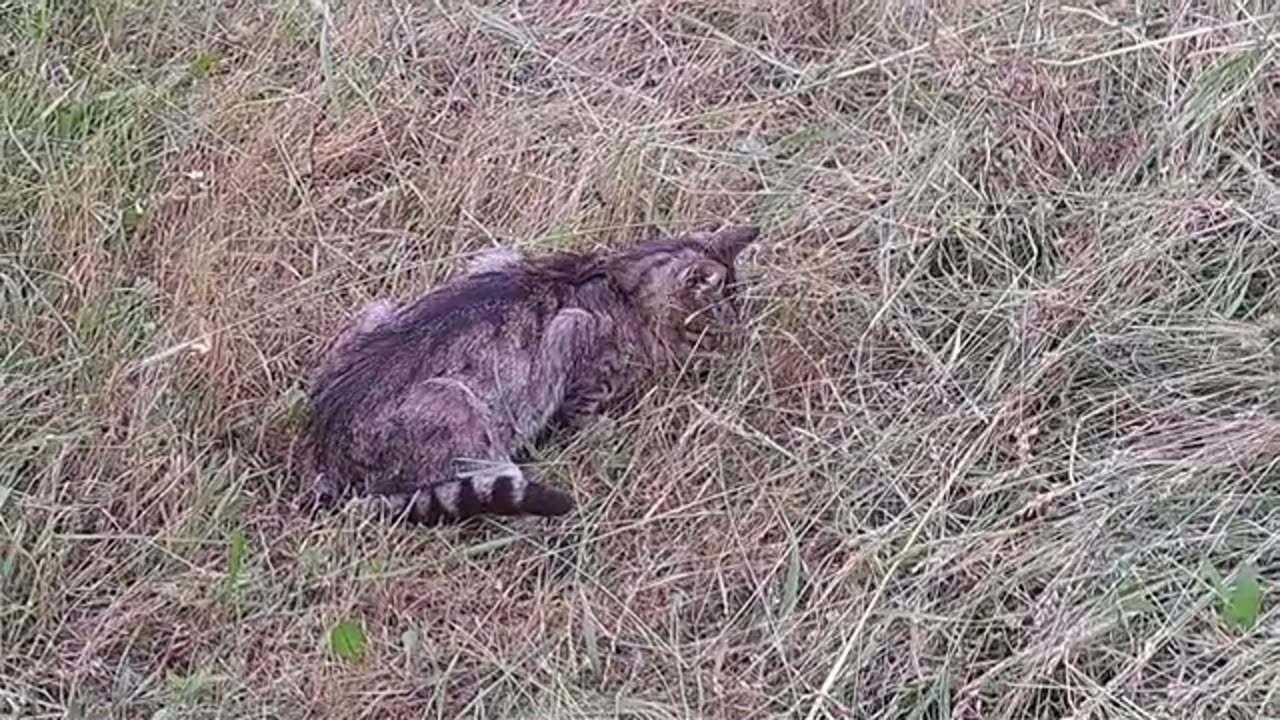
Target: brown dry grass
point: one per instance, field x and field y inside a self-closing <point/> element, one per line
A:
<point x="1009" y="407"/>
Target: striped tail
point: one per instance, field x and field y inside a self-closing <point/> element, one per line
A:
<point x="502" y="490"/>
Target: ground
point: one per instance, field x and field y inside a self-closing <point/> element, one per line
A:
<point x="1002" y="441"/>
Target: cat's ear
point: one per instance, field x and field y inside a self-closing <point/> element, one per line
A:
<point x="703" y="276"/>
<point x="727" y="243"/>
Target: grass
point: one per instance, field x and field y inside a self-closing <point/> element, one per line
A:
<point x="1003" y="443"/>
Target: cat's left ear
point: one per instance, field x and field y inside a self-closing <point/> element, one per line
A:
<point x="727" y="243"/>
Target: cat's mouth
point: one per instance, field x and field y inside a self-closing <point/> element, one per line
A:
<point x="722" y="318"/>
<point x="706" y="335"/>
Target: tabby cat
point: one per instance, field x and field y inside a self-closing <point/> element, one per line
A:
<point x="425" y="406"/>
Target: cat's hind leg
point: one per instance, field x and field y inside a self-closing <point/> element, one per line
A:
<point x="454" y="462"/>
<point x="493" y="260"/>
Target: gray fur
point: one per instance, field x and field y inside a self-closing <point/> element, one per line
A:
<point x="424" y="405"/>
<point x="494" y="260"/>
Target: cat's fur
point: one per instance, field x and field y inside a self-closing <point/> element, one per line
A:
<point x="425" y="405"/>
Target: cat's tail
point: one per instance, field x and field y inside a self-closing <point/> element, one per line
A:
<point x="501" y="489"/>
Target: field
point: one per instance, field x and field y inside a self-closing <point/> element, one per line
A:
<point x="1003" y="440"/>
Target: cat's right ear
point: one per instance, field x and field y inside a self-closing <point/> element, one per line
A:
<point x="728" y="243"/>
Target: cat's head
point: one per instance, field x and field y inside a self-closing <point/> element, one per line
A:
<point x="688" y="285"/>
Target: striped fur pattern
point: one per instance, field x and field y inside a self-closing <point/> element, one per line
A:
<point x="423" y="407"/>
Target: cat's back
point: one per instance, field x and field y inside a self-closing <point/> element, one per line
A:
<point x="432" y="335"/>
<point x="470" y="324"/>
<point x="490" y="301"/>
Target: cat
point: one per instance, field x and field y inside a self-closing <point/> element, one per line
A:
<point x="425" y="406"/>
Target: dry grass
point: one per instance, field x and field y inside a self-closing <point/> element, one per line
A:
<point x="1007" y="422"/>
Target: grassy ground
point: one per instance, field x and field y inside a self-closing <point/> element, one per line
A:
<point x="1004" y="443"/>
